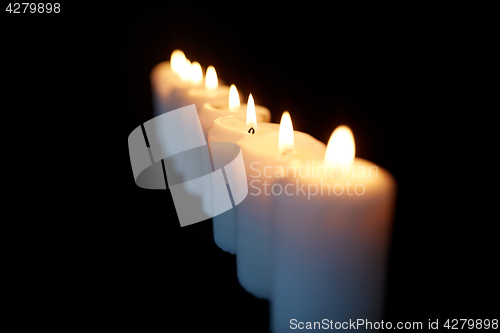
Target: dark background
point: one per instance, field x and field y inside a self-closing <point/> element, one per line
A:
<point x="77" y="83"/>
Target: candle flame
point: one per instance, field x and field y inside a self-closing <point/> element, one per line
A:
<point x="234" y="98"/>
<point x="211" y="81"/>
<point x="196" y="74"/>
<point x="185" y="70"/>
<point x="251" y="116"/>
<point x="177" y="60"/>
<point x="341" y="149"/>
<point x="285" y="138"/>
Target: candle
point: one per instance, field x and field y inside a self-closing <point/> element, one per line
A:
<point x="212" y="92"/>
<point x="170" y="78"/>
<point x="231" y="129"/>
<point x="211" y="111"/>
<point x="266" y="159"/>
<point x="177" y="84"/>
<point x="331" y="240"/>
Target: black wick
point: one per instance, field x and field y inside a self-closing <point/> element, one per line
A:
<point x="251" y="130"/>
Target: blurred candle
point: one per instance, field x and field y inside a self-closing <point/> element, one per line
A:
<point x="170" y="78"/>
<point x="331" y="240"/>
<point x="212" y="92"/>
<point x="266" y="159"/>
<point x="232" y="128"/>
<point x="231" y="107"/>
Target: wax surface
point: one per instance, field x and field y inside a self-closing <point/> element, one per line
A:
<point x="231" y="129"/>
<point x="254" y="216"/>
<point x="200" y="95"/>
<point x="331" y="248"/>
<point x="211" y="111"/>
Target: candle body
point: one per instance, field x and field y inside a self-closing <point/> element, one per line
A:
<point x="200" y="95"/>
<point x="231" y="129"/>
<point x="331" y="248"/>
<point x="170" y="92"/>
<point x="168" y="89"/>
<point x="211" y="111"/>
<point x="254" y="216"/>
<point x="172" y="131"/>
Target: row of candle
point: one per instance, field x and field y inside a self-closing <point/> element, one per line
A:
<point x="313" y="256"/>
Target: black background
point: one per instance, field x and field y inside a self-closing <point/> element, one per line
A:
<point x="101" y="248"/>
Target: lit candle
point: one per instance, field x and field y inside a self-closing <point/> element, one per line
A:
<point x="331" y="240"/>
<point x="172" y="89"/>
<point x="212" y="92"/>
<point x="231" y="107"/>
<point x="231" y="129"/>
<point x="266" y="159"/>
<point x="170" y="78"/>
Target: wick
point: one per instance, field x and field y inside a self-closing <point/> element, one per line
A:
<point x="251" y="130"/>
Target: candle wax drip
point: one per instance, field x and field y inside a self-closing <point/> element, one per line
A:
<point x="251" y="130"/>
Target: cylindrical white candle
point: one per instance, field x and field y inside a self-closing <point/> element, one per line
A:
<point x="331" y="241"/>
<point x="180" y="83"/>
<point x="170" y="81"/>
<point x="231" y="107"/>
<point x="231" y="129"/>
<point x="212" y="92"/>
<point x="266" y="159"/>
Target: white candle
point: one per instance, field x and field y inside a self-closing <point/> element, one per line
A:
<point x="332" y="241"/>
<point x="231" y="107"/>
<point x="177" y="84"/>
<point x="212" y="92"/>
<point x="231" y="129"/>
<point x="266" y="158"/>
<point x="170" y="78"/>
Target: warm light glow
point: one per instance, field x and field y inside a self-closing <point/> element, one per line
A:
<point x="285" y="138"/>
<point x="177" y="60"/>
<point x="185" y="70"/>
<point x="211" y="81"/>
<point x="341" y="149"/>
<point x="234" y="98"/>
<point x="251" y="116"/>
<point x="196" y="74"/>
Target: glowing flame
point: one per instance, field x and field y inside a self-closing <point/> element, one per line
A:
<point x="185" y="70"/>
<point x="177" y="60"/>
<point x="341" y="149"/>
<point x="196" y="74"/>
<point x="285" y="139"/>
<point x="234" y="98"/>
<point x="211" y="81"/>
<point x="251" y="116"/>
